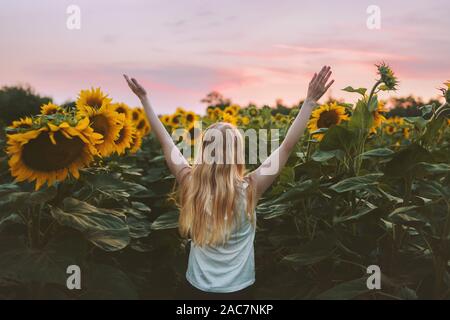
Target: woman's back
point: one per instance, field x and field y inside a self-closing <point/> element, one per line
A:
<point x="231" y="266"/>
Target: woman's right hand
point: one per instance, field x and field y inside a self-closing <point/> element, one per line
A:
<point x="318" y="85"/>
<point x="136" y="87"/>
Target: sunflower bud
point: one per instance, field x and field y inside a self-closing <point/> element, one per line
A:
<point x="447" y="92"/>
<point x="388" y="77"/>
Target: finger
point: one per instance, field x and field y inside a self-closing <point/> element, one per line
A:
<point x="329" y="85"/>
<point x="130" y="84"/>
<point x="325" y="80"/>
<point x="314" y="78"/>
<point x="322" y="74"/>
<point x="137" y="84"/>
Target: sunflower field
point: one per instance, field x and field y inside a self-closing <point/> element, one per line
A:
<point x="87" y="185"/>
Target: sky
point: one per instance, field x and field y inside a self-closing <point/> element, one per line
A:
<point x="250" y="51"/>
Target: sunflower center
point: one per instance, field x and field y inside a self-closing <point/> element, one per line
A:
<point x="122" y="134"/>
<point x="327" y="119"/>
<point x="189" y="117"/>
<point x="94" y="102"/>
<point x="141" y="124"/>
<point x="100" y="124"/>
<point x="120" y="110"/>
<point x="41" y="155"/>
<point x="135" y="115"/>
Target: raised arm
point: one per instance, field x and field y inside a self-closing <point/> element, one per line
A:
<point x="269" y="170"/>
<point x="174" y="158"/>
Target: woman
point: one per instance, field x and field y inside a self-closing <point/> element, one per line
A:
<point x="217" y="198"/>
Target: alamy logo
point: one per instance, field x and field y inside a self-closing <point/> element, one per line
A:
<point x="374" y="19"/>
<point x="73" y="21"/>
<point x="374" y="280"/>
<point x="74" y="278"/>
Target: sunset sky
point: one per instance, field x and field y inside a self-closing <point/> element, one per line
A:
<point x="250" y="50"/>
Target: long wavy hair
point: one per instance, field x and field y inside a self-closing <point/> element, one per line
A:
<point x="209" y="193"/>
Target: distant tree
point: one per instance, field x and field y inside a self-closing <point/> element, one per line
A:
<point x="216" y="99"/>
<point x="69" y="105"/>
<point x="18" y="101"/>
<point x="408" y="106"/>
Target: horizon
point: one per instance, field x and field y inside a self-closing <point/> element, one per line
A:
<point x="182" y="51"/>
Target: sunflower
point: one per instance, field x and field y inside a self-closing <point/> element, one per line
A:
<point x="136" y="143"/>
<point x="52" y="152"/>
<point x="126" y="136"/>
<point x="136" y="114"/>
<point x="106" y="122"/>
<point x="387" y="76"/>
<point x="217" y="112"/>
<point x="142" y="125"/>
<point x="180" y="111"/>
<point x="231" y="110"/>
<point x="229" y="118"/>
<point x="378" y="117"/>
<point x="326" y="116"/>
<point x="253" y="112"/>
<point x="192" y="134"/>
<point x="93" y="98"/>
<point x="165" y="119"/>
<point x="175" y="121"/>
<point x="391" y="125"/>
<point x="210" y="113"/>
<point x="242" y="121"/>
<point x="191" y="116"/>
<point x="406" y="132"/>
<point x="50" y="108"/>
<point x="22" y="123"/>
<point x="447" y="91"/>
<point x="122" y="108"/>
<point x="236" y="108"/>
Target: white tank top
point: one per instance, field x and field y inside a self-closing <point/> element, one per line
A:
<point x="229" y="267"/>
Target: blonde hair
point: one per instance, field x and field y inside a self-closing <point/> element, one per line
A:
<point x="208" y="194"/>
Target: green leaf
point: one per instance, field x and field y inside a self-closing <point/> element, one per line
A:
<point x="270" y="211"/>
<point x="378" y="153"/>
<point x="16" y="201"/>
<point x="108" y="282"/>
<point x="168" y="220"/>
<point x="46" y="265"/>
<point x="373" y="104"/>
<point x="337" y="138"/>
<point x="105" y="228"/>
<point x="408" y="216"/>
<point x="361" y="91"/>
<point x="418" y="122"/>
<point x="287" y="175"/>
<point x="346" y="290"/>
<point x="305" y="187"/>
<point x="423" y="169"/>
<point x="313" y="252"/>
<point x="356" y="183"/>
<point x="322" y="156"/>
<point x="432" y="129"/>
<point x="361" y="120"/>
<point x="8" y="188"/>
<point x="360" y="213"/>
<point x="138" y="223"/>
<point x="141" y="207"/>
<point x="403" y="162"/>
